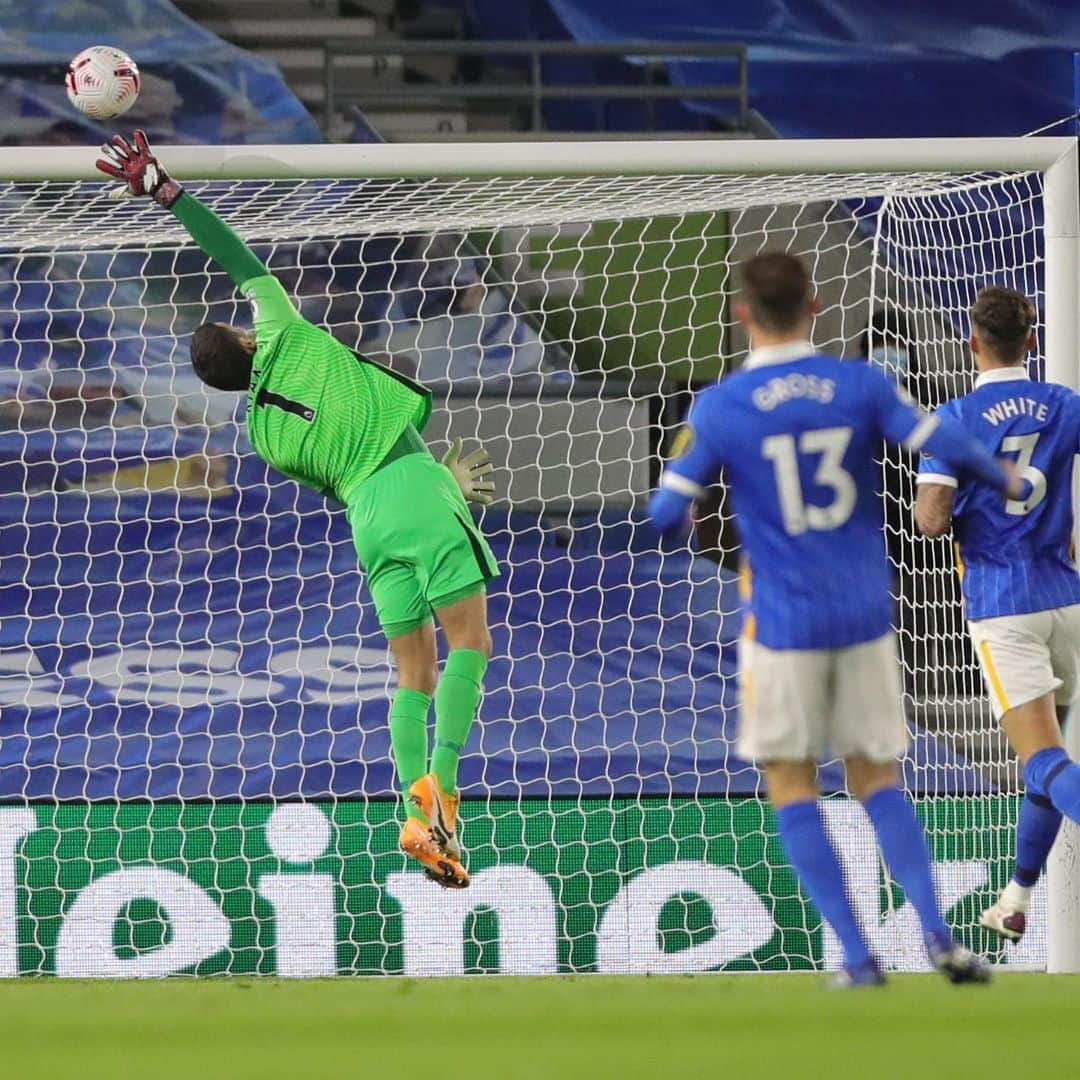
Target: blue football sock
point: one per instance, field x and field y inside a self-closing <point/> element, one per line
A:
<point x="1036" y="830"/>
<point x="1051" y="773"/>
<point x="814" y="861"/>
<point x="904" y="847"/>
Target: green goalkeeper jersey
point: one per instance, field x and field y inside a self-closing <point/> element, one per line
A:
<point x="318" y="412"/>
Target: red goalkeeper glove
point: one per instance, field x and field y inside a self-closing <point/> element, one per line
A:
<point x="135" y="164"/>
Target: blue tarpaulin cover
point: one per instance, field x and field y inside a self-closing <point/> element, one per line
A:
<point x="157" y="646"/>
<point x="866" y="68"/>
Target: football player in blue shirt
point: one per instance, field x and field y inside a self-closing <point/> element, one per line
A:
<point x="1021" y="590"/>
<point x="797" y="435"/>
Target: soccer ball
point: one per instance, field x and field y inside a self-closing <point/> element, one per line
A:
<point x="102" y="82"/>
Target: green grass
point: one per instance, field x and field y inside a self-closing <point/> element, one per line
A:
<point x="744" y="1026"/>
<point x="652" y="299"/>
<point x="652" y="294"/>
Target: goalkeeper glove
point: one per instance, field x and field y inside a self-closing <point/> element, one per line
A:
<point x="468" y="472"/>
<point x="135" y="164"/>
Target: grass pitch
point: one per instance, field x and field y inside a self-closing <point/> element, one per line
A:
<point x="594" y="1027"/>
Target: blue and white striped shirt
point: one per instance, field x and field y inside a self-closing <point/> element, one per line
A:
<point x="1015" y="554"/>
<point x="798" y="436"/>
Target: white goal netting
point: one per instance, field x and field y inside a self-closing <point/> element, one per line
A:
<point x="194" y="763"/>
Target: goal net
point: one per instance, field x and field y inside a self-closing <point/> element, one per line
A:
<point x="195" y="771"/>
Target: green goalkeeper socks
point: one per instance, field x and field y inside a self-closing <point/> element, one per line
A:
<point x="455" y="708"/>
<point x="456" y="701"/>
<point x="409" y="740"/>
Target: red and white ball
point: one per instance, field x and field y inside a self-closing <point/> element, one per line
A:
<point x="102" y="82"/>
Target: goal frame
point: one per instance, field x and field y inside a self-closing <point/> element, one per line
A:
<point x="1055" y="158"/>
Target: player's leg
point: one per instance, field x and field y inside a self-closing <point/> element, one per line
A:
<point x="793" y="792"/>
<point x="464" y="622"/>
<point x="869" y="732"/>
<point x="416" y="661"/>
<point x="405" y="619"/>
<point x="902" y="841"/>
<point x="1030" y="727"/>
<point x="397" y="594"/>
<point x="454" y="563"/>
<point x="1029" y="664"/>
<point x="414" y="653"/>
<point x="399" y="602"/>
<point x="783" y="695"/>
<point x="379" y="518"/>
<point x="1047" y="768"/>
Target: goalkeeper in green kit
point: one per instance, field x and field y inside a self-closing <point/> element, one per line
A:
<point x="350" y="429"/>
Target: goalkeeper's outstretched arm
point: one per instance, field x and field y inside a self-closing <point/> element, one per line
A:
<point x="217" y="240"/>
<point x="221" y="354"/>
<point x="136" y="165"/>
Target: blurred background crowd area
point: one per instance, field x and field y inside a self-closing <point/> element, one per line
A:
<point x="445" y="308"/>
<point x="262" y="71"/>
<point x="578" y="346"/>
<point x="90" y="339"/>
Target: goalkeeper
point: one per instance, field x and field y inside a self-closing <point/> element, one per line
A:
<point x="350" y="429"/>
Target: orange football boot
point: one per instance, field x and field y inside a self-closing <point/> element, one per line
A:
<point x="441" y="811"/>
<point x="418" y="843"/>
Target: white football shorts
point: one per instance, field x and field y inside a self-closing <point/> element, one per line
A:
<point x="1024" y="657"/>
<point x="820" y="704"/>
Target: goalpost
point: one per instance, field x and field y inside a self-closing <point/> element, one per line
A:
<point x="194" y="758"/>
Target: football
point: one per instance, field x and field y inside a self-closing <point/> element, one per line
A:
<point x="102" y="82"/>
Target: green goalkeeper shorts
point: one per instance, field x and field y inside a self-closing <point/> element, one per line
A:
<point x="416" y="539"/>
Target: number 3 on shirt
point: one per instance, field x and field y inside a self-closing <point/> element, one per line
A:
<point x="1024" y="446"/>
<point x="831" y="444"/>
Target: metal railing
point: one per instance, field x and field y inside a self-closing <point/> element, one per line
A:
<point x="535" y="91"/>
